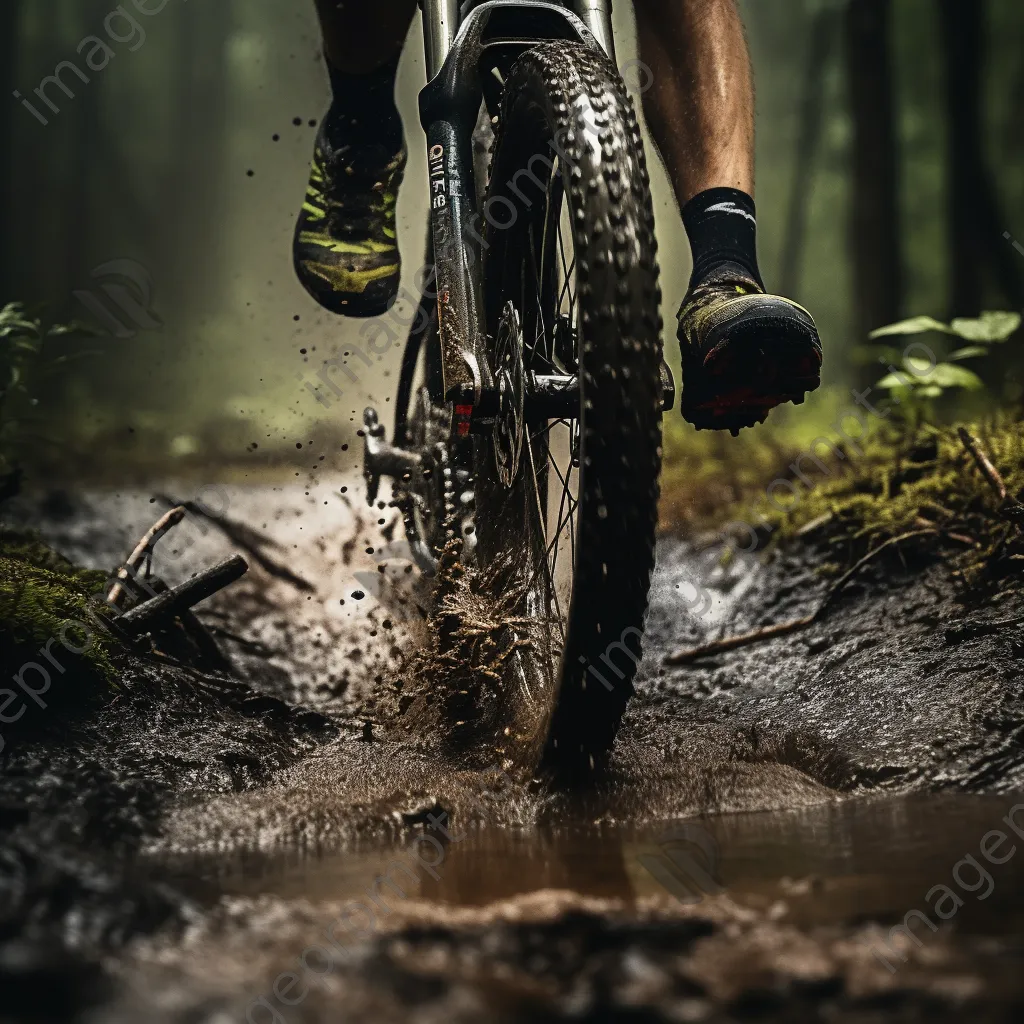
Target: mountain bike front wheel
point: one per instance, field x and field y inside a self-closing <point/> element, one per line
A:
<point x="567" y="482"/>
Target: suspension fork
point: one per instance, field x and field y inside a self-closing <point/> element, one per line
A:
<point x="597" y="16"/>
<point x="440" y="26"/>
<point x="449" y="108"/>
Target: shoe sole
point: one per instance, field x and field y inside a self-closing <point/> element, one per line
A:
<point x="376" y="300"/>
<point x="741" y="380"/>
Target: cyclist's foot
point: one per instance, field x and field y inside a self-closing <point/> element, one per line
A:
<point x="345" y="248"/>
<point x="744" y="352"/>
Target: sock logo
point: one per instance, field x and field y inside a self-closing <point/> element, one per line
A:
<point x="687" y="865"/>
<point x="733" y="209"/>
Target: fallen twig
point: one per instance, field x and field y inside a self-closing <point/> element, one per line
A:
<point x="731" y="643"/>
<point x="144" y="550"/>
<point x="959" y="538"/>
<point x="171" y="602"/>
<point x="984" y="464"/>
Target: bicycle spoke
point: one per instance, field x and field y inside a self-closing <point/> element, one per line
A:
<point x="555" y="178"/>
<point x="539" y="319"/>
<point x="573" y="506"/>
<point x="564" y="482"/>
<point x="541" y="326"/>
<point x="552" y="265"/>
<point x="547" y="426"/>
<point x="562" y="522"/>
<point x="543" y="561"/>
<point x="566" y="275"/>
<point x="566" y="290"/>
<point x="554" y="557"/>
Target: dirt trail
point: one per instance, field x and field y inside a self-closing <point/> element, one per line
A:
<point x="903" y="688"/>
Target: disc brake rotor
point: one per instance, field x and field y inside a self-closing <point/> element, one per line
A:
<point x="511" y="383"/>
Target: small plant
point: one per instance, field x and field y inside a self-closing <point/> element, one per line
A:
<point x="22" y="339"/>
<point x="924" y="379"/>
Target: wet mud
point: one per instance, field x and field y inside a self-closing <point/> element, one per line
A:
<point x="194" y="842"/>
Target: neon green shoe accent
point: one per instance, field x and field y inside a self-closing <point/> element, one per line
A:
<point x="366" y="248"/>
<point x="345" y="246"/>
<point x="349" y="282"/>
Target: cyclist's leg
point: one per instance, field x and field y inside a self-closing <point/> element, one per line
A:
<point x="743" y="352"/>
<point x="345" y="247"/>
<point x="700" y="106"/>
<point x="360" y="37"/>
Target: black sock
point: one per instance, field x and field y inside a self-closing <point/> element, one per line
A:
<point x="363" y="111"/>
<point x="722" y="227"/>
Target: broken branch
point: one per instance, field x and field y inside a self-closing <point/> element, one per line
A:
<point x="143" y="550"/>
<point x="172" y="602"/>
<point x="742" y="640"/>
<point x="982" y="461"/>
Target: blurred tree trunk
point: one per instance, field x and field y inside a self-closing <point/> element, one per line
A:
<point x="875" y="241"/>
<point x="199" y="141"/>
<point x="1013" y="141"/>
<point x="10" y="23"/>
<point x="812" y="109"/>
<point x="976" y="224"/>
<point x="84" y="147"/>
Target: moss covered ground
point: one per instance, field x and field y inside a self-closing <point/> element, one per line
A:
<point x="867" y="485"/>
<point x="44" y="597"/>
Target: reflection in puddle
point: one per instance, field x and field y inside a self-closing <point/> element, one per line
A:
<point x="844" y="862"/>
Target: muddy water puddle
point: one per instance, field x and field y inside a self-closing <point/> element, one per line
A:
<point x="845" y="862"/>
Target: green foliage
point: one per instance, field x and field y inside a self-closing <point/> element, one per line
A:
<point x="22" y="341"/>
<point x="989" y="327"/>
<point x="922" y="381"/>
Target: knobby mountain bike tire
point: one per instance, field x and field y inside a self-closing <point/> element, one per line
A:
<point x="566" y="505"/>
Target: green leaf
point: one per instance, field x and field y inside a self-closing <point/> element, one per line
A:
<point x="14" y="326"/>
<point x="949" y="375"/>
<point x="75" y="327"/>
<point x="893" y="380"/>
<point x="13" y="310"/>
<point x="970" y="352"/>
<point x="916" y="325"/>
<point x="918" y="366"/>
<point x="990" y="326"/>
<point x="931" y="391"/>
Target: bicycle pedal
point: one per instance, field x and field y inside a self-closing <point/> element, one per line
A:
<point x="381" y="458"/>
<point x="373" y="437"/>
